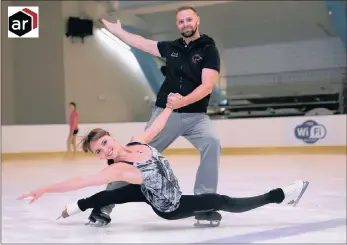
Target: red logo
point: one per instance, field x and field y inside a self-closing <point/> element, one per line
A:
<point x="23" y="22"/>
<point x="196" y="58"/>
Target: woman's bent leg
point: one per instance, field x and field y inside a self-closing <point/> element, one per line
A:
<point x="129" y="193"/>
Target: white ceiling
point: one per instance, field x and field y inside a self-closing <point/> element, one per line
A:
<point x="137" y="4"/>
<point x="242" y="23"/>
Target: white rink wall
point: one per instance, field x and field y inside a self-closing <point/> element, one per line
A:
<point x="264" y="132"/>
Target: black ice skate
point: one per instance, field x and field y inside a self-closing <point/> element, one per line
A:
<point x="99" y="219"/>
<point x="213" y="217"/>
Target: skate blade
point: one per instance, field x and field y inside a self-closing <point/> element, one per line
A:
<point x="96" y="224"/>
<point x="306" y="183"/>
<point x="211" y="224"/>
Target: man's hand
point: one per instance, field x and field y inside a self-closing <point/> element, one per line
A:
<point x="175" y="101"/>
<point x="133" y="40"/>
<point x="115" y="28"/>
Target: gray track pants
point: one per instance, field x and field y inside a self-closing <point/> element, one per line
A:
<point x="197" y="129"/>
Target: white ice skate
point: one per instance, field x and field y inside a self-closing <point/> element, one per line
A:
<point x="294" y="192"/>
<point x="70" y="209"/>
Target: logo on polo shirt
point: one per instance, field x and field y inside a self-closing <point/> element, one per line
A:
<point x="196" y="58"/>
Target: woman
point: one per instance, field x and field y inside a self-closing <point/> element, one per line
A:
<point x="151" y="180"/>
<point x="73" y="129"/>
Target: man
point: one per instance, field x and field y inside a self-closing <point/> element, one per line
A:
<point x="192" y="68"/>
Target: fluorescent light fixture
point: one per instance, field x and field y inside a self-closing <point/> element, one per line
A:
<point x="114" y="38"/>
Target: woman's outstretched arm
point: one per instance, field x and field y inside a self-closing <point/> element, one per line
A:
<point x="155" y="128"/>
<point x="114" y="172"/>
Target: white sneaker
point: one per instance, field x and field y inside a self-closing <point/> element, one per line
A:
<point x="294" y="192"/>
<point x="70" y="209"/>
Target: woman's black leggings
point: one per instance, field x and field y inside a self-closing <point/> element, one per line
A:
<point x="190" y="205"/>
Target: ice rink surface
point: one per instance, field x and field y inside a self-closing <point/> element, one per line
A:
<point x="319" y="217"/>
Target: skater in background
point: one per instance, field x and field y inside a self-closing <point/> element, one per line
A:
<point x="196" y="56"/>
<point x="152" y="181"/>
<point x="73" y="129"/>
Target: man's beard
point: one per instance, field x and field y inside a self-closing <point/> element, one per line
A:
<point x="190" y="33"/>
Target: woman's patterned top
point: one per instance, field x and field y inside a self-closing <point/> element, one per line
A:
<point x="160" y="185"/>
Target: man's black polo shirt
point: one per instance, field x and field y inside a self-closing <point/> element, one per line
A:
<point x="184" y="64"/>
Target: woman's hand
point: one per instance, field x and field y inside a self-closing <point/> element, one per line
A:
<point x="34" y="194"/>
<point x="175" y="101"/>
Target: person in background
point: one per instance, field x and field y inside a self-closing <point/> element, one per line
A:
<point x="73" y="129"/>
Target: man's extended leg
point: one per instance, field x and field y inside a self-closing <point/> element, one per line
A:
<point x="200" y="132"/>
